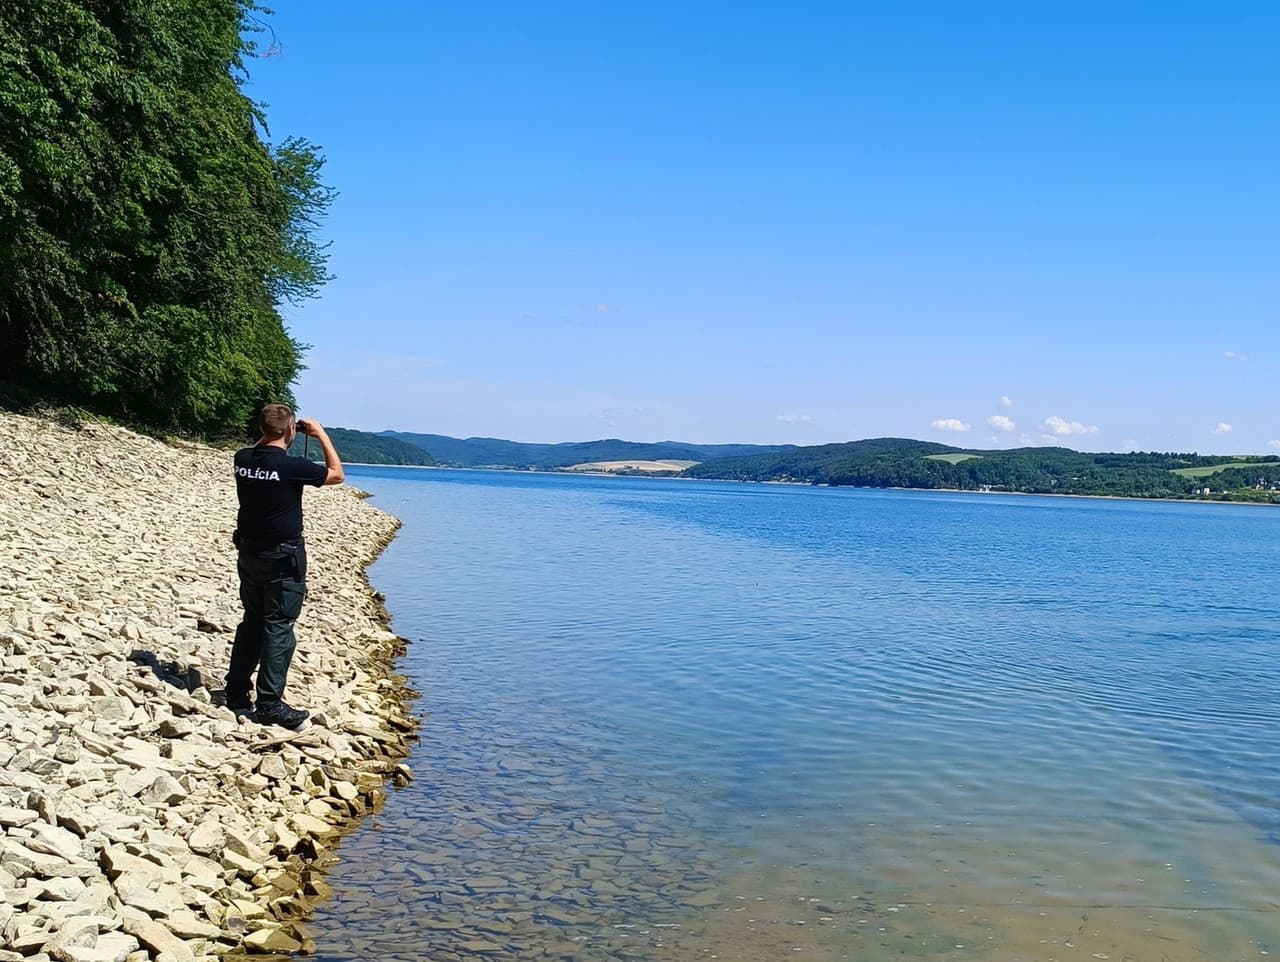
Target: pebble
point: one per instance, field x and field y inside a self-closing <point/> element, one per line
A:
<point x="139" y="820"/>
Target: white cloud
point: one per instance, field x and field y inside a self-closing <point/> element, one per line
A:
<point x="950" y="424"/>
<point x="1274" y="444"/>
<point x="1001" y="423"/>
<point x="1235" y="356"/>
<point x="1061" y="426"/>
<point x="1006" y="401"/>
<point x="1131" y="444"/>
<point x="796" y="418"/>
<point x="602" y="308"/>
<point x="1222" y="428"/>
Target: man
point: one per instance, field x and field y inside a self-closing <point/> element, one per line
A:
<point x="273" y="560"/>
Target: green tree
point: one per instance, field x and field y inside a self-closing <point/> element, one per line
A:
<point x="149" y="232"/>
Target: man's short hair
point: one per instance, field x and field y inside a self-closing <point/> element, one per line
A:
<point x="276" y="420"/>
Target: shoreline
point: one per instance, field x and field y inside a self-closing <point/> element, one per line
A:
<point x="833" y="487"/>
<point x="137" y="817"/>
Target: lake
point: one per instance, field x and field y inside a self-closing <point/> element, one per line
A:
<point x="694" y="720"/>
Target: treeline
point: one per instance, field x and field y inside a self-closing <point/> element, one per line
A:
<point x="819" y="464"/>
<point x="361" y="447"/>
<point x="498" y="453"/>
<point x="896" y="462"/>
<point x="149" y="232"/>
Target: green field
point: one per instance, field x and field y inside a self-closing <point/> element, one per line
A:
<point x="1206" y="470"/>
<point x="952" y="458"/>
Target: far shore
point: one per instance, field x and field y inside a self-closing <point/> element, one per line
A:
<point x="806" y="484"/>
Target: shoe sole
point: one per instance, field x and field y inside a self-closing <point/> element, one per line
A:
<point x="289" y="728"/>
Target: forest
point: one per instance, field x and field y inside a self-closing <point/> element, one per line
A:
<point x="871" y="463"/>
<point x="363" y="447"/>
<point x="151" y="229"/>
<point x="903" y="463"/>
<point x="497" y="453"/>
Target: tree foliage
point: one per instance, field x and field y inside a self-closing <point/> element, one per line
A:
<point x="496" y="452"/>
<point x="149" y="233"/>
<point x="901" y="463"/>
<point x="363" y="447"/>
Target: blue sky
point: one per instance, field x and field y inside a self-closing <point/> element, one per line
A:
<point x="808" y="222"/>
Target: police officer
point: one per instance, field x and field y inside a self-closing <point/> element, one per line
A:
<point x="273" y="560"/>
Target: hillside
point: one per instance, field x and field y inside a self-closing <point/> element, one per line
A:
<point x="904" y="463"/>
<point x="497" y="453"/>
<point x="362" y="447"/>
<point x="874" y="463"/>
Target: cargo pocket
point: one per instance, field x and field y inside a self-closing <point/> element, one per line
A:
<point x="292" y="594"/>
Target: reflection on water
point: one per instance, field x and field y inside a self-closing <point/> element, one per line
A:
<point x="686" y="721"/>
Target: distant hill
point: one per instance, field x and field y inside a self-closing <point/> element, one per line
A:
<point x="904" y="463"/>
<point x="364" y="447"/>
<point x="497" y="453"/>
<point x="873" y="463"/>
<point x="817" y="464"/>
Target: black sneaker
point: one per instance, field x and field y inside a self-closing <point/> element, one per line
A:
<point x="278" y="713"/>
<point x="240" y="704"/>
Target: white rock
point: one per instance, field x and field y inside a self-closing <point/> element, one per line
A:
<point x="155" y="936"/>
<point x="104" y="571"/>
<point x="10" y="816"/>
<point x="206" y="838"/>
<point x="54" y="841"/>
<point x="165" y="790"/>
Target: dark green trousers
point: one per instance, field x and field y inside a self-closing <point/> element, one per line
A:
<point x="271" y="592"/>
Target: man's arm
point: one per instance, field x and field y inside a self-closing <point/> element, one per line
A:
<point x="332" y="462"/>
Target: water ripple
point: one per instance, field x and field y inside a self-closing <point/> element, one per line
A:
<point x="672" y="719"/>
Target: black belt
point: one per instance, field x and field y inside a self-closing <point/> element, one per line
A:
<point x="266" y="547"/>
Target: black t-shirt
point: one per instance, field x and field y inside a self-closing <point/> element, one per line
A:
<point x="269" y="484"/>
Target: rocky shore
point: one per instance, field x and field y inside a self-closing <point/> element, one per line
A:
<point x="138" y="818"/>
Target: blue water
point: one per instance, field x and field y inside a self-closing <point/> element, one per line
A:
<point x="682" y="720"/>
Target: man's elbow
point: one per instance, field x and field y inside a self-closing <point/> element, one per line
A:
<point x="335" y="476"/>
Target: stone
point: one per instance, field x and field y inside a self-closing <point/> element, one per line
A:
<point x="165" y="790"/>
<point x="114" y="763"/>
<point x="40" y="863"/>
<point x="74" y="933"/>
<point x="176" y="728"/>
<point x="271" y="940"/>
<point x="306" y="824"/>
<point x="273" y="767"/>
<point x="207" y="838"/>
<point x="117" y="861"/>
<point x="186" y="754"/>
<point x="242" y="845"/>
<point x="11" y="817"/>
<point x="241" y="865"/>
<point x="76" y="818"/>
<point x="183" y="923"/>
<point x="94" y="953"/>
<point x="28" y="939"/>
<point x="111" y="707"/>
<point x="158" y="902"/>
<point x="54" y="841"/>
<point x="57" y="889"/>
<point x="121" y="943"/>
<point x="158" y="938"/>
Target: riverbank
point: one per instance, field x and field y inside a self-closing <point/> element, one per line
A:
<point x="140" y="819"/>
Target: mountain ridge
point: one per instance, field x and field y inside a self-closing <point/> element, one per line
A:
<point x="885" y="462"/>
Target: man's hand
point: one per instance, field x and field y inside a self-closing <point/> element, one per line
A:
<point x="313" y="428"/>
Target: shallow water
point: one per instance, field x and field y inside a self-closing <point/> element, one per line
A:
<point x="674" y="720"/>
